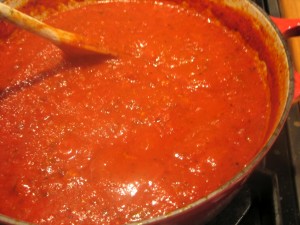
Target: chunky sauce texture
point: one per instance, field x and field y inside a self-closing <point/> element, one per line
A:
<point x="179" y="112"/>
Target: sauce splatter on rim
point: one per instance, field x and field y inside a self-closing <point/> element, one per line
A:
<point x="112" y="141"/>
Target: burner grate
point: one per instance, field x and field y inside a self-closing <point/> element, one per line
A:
<point x="256" y="204"/>
<point x="270" y="196"/>
<point x="270" y="6"/>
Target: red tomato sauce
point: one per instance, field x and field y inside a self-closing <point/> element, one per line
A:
<point x="179" y="112"/>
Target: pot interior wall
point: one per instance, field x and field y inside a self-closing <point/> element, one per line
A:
<point x="258" y="30"/>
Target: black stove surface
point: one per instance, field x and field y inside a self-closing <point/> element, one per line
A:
<point x="271" y="196"/>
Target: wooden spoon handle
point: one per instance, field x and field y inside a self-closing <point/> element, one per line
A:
<point x="70" y="42"/>
<point x="33" y="25"/>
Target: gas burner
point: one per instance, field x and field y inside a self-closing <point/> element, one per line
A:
<point x="271" y="196"/>
<point x="257" y="203"/>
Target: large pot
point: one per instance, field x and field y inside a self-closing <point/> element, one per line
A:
<point x="266" y="37"/>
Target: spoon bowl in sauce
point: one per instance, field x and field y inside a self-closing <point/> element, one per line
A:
<point x="71" y="43"/>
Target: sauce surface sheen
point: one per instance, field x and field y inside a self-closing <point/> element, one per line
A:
<point x="182" y="110"/>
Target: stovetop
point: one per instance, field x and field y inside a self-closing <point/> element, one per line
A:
<point x="271" y="196"/>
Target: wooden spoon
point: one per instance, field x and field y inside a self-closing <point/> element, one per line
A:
<point x="70" y="43"/>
